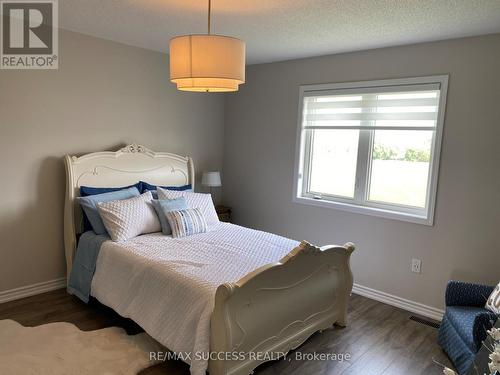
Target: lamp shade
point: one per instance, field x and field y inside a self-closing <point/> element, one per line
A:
<point x="207" y="63"/>
<point x="211" y="179"/>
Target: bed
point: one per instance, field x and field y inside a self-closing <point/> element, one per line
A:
<point x="247" y="296"/>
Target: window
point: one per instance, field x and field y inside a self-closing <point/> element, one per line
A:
<point x="371" y="147"/>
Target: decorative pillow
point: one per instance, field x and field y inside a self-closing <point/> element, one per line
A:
<point x="129" y="218"/>
<point x="493" y="303"/>
<point x="194" y="200"/>
<point x="89" y="190"/>
<point x="153" y="188"/>
<point x="186" y="222"/>
<point x="146" y="186"/>
<point x="89" y="205"/>
<point x="164" y="206"/>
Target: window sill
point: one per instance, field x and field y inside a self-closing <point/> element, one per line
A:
<point x="365" y="210"/>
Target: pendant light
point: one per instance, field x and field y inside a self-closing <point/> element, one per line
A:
<point x="207" y="63"/>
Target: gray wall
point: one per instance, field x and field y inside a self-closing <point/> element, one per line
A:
<point x="104" y="95"/>
<point x="260" y="132"/>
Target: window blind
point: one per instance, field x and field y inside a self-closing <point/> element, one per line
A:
<point x="411" y="107"/>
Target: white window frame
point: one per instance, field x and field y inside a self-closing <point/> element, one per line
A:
<point x="385" y="210"/>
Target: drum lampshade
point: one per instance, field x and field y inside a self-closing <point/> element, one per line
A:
<point x="207" y="63"/>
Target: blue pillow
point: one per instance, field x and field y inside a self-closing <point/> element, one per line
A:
<point x="89" y="205"/>
<point x="166" y="205"/>
<point x="88" y="190"/>
<point x="152" y="188"/>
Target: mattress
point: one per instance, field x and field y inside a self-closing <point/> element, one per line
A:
<point x="167" y="285"/>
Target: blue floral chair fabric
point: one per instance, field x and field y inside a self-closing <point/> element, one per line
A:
<point x="465" y="322"/>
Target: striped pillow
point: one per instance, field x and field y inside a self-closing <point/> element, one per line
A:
<point x="186" y="222"/>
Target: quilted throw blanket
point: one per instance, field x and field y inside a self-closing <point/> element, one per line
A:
<point x="84" y="264"/>
<point x="167" y="285"/>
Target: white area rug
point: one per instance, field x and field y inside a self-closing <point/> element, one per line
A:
<point x="61" y="348"/>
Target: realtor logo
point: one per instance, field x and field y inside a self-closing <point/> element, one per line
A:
<point x="29" y="34"/>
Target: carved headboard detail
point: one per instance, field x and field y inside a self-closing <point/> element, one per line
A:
<point x="115" y="169"/>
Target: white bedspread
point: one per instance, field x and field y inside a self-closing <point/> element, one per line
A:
<point x="168" y="285"/>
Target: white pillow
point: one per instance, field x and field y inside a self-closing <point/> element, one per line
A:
<point x="493" y="303"/>
<point x="194" y="200"/>
<point x="128" y="218"/>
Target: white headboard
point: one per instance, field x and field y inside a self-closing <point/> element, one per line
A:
<point x="115" y="169"/>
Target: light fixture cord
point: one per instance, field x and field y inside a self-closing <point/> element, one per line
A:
<point x="209" y="11"/>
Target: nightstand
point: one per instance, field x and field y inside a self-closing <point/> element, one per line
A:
<point x="224" y="213"/>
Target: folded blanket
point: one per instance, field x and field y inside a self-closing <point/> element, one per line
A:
<point x="84" y="264"/>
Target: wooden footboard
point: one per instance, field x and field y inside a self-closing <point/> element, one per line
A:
<point x="277" y="307"/>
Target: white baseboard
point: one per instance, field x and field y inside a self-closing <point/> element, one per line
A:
<point x="414" y="307"/>
<point x="31" y="290"/>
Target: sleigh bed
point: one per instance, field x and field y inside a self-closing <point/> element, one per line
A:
<point x="271" y="309"/>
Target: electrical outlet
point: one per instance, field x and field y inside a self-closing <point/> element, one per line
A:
<point x="416" y="265"/>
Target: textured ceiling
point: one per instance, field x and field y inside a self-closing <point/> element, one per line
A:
<point x="283" y="29"/>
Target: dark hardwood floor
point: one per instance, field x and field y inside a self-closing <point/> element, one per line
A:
<point x="380" y="339"/>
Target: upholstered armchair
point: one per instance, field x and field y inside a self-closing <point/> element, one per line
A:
<point x="465" y="322"/>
